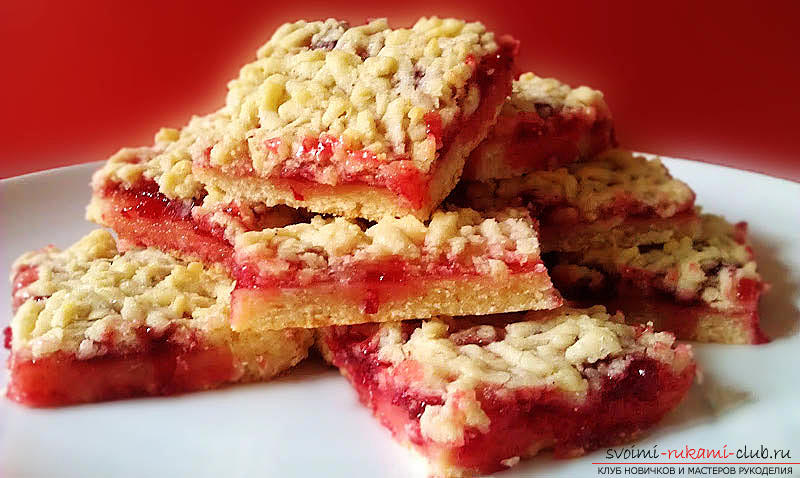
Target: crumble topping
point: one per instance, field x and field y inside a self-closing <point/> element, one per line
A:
<point x="368" y="86"/>
<point x="562" y="349"/>
<point x="238" y="217"/>
<point x="168" y="162"/>
<point x="615" y="181"/>
<point x="90" y="295"/>
<point x="533" y="93"/>
<point x="708" y="267"/>
<point x="323" y="242"/>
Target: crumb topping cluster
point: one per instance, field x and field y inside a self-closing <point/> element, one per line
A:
<point x="616" y="182"/>
<point x="532" y="93"/>
<point x="168" y="163"/>
<point x="555" y="349"/>
<point x="90" y="296"/>
<point x="708" y="267"/>
<point x="369" y="86"/>
<point x="239" y="217"/>
<point x="323" y="243"/>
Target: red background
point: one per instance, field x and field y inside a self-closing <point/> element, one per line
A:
<point x="715" y="81"/>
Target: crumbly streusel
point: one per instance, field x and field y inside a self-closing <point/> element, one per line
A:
<point x="589" y="189"/>
<point x="168" y="162"/>
<point x="91" y="291"/>
<point x="322" y="242"/>
<point x="707" y="267"/>
<point x="551" y="349"/>
<point x="370" y="85"/>
<point x="530" y="92"/>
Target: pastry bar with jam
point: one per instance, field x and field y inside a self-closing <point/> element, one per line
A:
<point x="705" y="288"/>
<point x="475" y="395"/>
<point x="545" y="124"/>
<point x="94" y="324"/>
<point x="333" y="271"/>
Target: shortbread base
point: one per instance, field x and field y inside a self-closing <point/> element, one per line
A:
<point x="333" y="304"/>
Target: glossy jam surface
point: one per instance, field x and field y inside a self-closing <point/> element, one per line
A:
<point x="149" y="202"/>
<point x="145" y="217"/>
<point x="614" y="409"/>
<point x="315" y="158"/>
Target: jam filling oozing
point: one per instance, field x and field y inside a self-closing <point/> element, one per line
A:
<point x="616" y="407"/>
<point x="144" y="216"/>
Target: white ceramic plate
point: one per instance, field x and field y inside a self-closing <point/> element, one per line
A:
<point x="309" y="422"/>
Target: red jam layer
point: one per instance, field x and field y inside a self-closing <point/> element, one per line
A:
<point x="393" y="271"/>
<point x="310" y="165"/>
<point x="61" y="379"/>
<point x="745" y="293"/>
<point x="614" y="409"/>
<point x="145" y="217"/>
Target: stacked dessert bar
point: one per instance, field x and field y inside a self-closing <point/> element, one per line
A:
<point x="395" y="196"/>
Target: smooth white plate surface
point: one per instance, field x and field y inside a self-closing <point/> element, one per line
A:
<point x="310" y="424"/>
